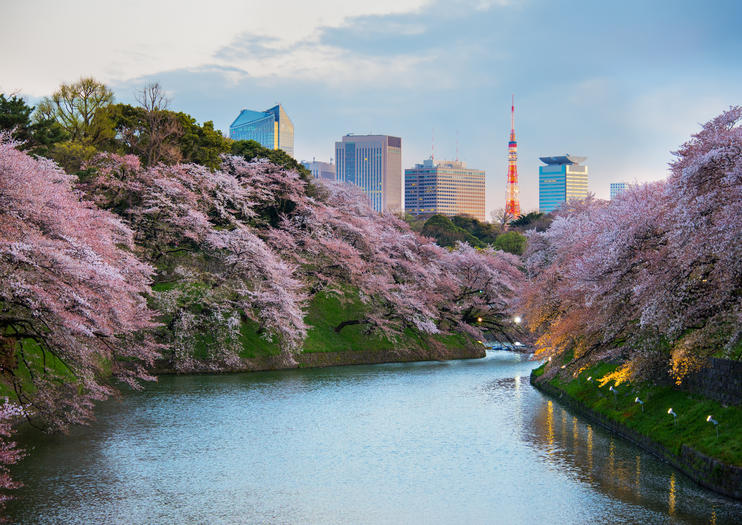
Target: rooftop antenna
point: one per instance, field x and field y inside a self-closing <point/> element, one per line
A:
<point x="457" y="145"/>
<point x="432" y="145"/>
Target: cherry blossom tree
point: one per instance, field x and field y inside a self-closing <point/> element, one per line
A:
<point x="9" y="452"/>
<point x="72" y="307"/>
<point x="405" y="280"/>
<point x="199" y="228"/>
<point x="653" y="277"/>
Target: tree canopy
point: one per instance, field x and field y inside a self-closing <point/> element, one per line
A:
<point x="653" y="277"/>
<point x="37" y="137"/>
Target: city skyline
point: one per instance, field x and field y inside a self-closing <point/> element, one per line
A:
<point x="626" y="100"/>
<point x="444" y="187"/>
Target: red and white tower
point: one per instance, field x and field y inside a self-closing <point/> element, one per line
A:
<point x="512" y="199"/>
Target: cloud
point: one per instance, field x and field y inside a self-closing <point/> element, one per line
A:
<point x="116" y="41"/>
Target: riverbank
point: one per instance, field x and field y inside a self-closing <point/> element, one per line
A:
<point x="306" y="359"/>
<point x="687" y="441"/>
<point x="328" y="345"/>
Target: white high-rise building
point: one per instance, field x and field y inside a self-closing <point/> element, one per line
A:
<point x="374" y="163"/>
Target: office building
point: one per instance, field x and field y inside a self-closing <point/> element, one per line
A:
<point x="374" y="163"/>
<point x="320" y="170"/>
<point x="445" y="187"/>
<point x="618" y="188"/>
<point x="272" y="128"/>
<point x="563" y="178"/>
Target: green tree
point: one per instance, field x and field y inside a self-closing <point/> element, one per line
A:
<point x="511" y="242"/>
<point x="77" y="108"/>
<point x="532" y="220"/>
<point x="15" y="114"/>
<point x="158" y="135"/>
<point x="201" y="144"/>
<point x="37" y="137"/>
<point x="151" y="135"/>
<point x="252" y="150"/>
<point x="446" y="233"/>
<point x="486" y="232"/>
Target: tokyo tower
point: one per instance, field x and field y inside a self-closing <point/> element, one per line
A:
<point x="512" y="200"/>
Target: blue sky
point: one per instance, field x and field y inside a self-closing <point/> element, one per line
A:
<point x="622" y="83"/>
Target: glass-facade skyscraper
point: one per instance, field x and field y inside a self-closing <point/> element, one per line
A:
<point x="272" y="128"/>
<point x="374" y="163"/>
<point x="618" y="188"/>
<point x="319" y="169"/>
<point x="445" y="187"/>
<point x="563" y="178"/>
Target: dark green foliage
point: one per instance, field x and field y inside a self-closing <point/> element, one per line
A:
<point x="165" y="136"/>
<point x="126" y="120"/>
<point x="486" y="232"/>
<point x="446" y="233"/>
<point x="15" y="113"/>
<point x="416" y="222"/>
<point x="532" y="220"/>
<point x="39" y="137"/>
<point x="201" y="144"/>
<point x="461" y="228"/>
<point x="511" y="242"/>
<point x="252" y="150"/>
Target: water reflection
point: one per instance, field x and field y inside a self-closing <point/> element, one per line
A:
<point x="460" y="442"/>
<point x="615" y="468"/>
<point x="638" y="473"/>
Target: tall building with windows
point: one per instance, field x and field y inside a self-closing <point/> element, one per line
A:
<point x="563" y="178"/>
<point x="617" y="188"/>
<point x="319" y="169"/>
<point x="272" y="128"/>
<point x="445" y="187"/>
<point x="374" y="163"/>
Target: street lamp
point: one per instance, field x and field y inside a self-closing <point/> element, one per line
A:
<point x="517" y="319"/>
<point x="716" y="425"/>
<point x="637" y="400"/>
<point x="479" y="319"/>
<point x="674" y="415"/>
<point x="615" y="393"/>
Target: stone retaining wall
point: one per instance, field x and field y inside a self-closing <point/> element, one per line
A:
<point x="325" y="359"/>
<point x="721" y="380"/>
<point x="708" y="472"/>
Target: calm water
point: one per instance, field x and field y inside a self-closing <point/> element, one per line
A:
<point x="456" y="442"/>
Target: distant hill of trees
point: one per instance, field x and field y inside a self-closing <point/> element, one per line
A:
<point x="447" y="231"/>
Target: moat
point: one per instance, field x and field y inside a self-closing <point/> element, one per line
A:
<point x="436" y="442"/>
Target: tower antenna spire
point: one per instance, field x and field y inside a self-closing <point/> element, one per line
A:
<point x="457" y="145"/>
<point x="512" y="199"/>
<point x="432" y="145"/>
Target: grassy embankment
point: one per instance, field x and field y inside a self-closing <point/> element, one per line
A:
<point x="655" y="422"/>
<point x="325" y="312"/>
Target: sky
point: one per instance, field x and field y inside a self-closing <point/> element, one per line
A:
<point x="623" y="83"/>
